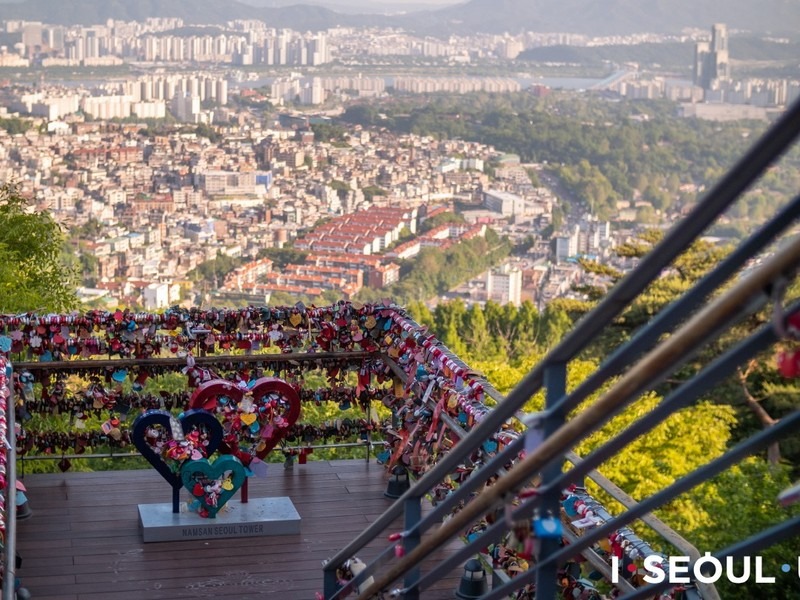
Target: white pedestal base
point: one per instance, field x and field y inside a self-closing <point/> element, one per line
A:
<point x="258" y="517"/>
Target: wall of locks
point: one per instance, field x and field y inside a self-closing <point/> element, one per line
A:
<point x="103" y="368"/>
<point x="5" y="401"/>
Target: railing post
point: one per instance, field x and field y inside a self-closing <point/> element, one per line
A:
<point x="412" y="516"/>
<point x="329" y="582"/>
<point x="10" y="442"/>
<point x="555" y="383"/>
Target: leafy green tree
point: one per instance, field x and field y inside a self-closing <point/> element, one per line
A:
<point x="281" y="257"/>
<point x="738" y="503"/>
<point x="454" y="340"/>
<point x="361" y="114"/>
<point x="213" y="271"/>
<point x="434" y="272"/>
<point x="208" y="131"/>
<point x="441" y="219"/>
<point x="420" y="313"/>
<point x="476" y="333"/>
<point x="329" y="132"/>
<point x="555" y="324"/>
<point x="371" y="191"/>
<point x="14" y="125"/>
<point x="33" y="274"/>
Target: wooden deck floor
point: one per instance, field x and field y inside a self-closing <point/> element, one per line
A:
<point x="84" y="540"/>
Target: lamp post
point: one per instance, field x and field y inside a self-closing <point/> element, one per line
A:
<point x="398" y="483"/>
<point x="473" y="582"/>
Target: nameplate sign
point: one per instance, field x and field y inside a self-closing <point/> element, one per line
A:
<point x="223" y="531"/>
<point x="258" y="517"/>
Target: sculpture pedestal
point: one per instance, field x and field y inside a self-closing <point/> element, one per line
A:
<point x="257" y="517"/>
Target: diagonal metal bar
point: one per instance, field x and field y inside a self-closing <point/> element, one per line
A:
<point x="677" y="311"/>
<point x="753" y="444"/>
<point x="650" y="369"/>
<point x="679" y="398"/>
<point x="343" y="591"/>
<point x="475" y="481"/>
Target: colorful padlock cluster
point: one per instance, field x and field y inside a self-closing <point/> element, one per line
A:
<point x="5" y="404"/>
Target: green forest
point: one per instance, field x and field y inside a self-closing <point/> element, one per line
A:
<point x="605" y="151"/>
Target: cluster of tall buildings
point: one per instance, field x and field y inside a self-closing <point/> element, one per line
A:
<point x="278" y="48"/>
<point x="456" y="85"/>
<point x="712" y="74"/>
<point x="149" y="96"/>
<point x="161" y="41"/>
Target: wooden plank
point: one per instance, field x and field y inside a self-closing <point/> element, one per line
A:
<point x="84" y="541"/>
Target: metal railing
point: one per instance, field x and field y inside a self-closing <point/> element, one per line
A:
<point x="706" y="321"/>
<point x="8" y="517"/>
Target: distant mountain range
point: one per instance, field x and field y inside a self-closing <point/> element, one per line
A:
<point x="214" y="12"/>
<point x="611" y="17"/>
<point x="386" y="7"/>
<point x="594" y="17"/>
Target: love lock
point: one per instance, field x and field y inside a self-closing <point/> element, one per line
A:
<point x="547" y="528"/>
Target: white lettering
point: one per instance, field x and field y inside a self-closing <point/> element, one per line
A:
<point x="760" y="578"/>
<point x="675" y="568"/>
<point x="614" y="568"/>
<point x="745" y="570"/>
<point x="704" y="560"/>
<point x="652" y="564"/>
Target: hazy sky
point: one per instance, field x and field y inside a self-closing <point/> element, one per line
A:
<point x="398" y="3"/>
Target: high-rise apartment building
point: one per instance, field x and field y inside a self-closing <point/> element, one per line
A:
<point x="711" y="60"/>
<point x="504" y="284"/>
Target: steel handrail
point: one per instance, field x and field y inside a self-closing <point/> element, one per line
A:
<point x="651" y="369"/>
<point x="667" y="533"/>
<point x="754" y="444"/>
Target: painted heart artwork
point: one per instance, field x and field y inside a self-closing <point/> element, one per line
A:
<point x="254" y="420"/>
<point x="212" y="484"/>
<point x="167" y="442"/>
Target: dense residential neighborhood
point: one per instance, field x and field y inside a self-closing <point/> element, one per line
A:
<point x="161" y="204"/>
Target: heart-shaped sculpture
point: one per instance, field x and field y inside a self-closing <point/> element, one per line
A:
<point x="213" y="484"/>
<point x="154" y="435"/>
<point x="254" y="421"/>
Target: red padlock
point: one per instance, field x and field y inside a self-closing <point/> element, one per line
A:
<point x="789" y="363"/>
<point x="793" y="324"/>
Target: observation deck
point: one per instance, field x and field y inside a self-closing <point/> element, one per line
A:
<point x="84" y="541"/>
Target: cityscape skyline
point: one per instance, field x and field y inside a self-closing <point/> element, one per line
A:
<point x="440" y="17"/>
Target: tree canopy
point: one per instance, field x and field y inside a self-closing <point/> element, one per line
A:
<point x="33" y="274"/>
<point x="604" y="152"/>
